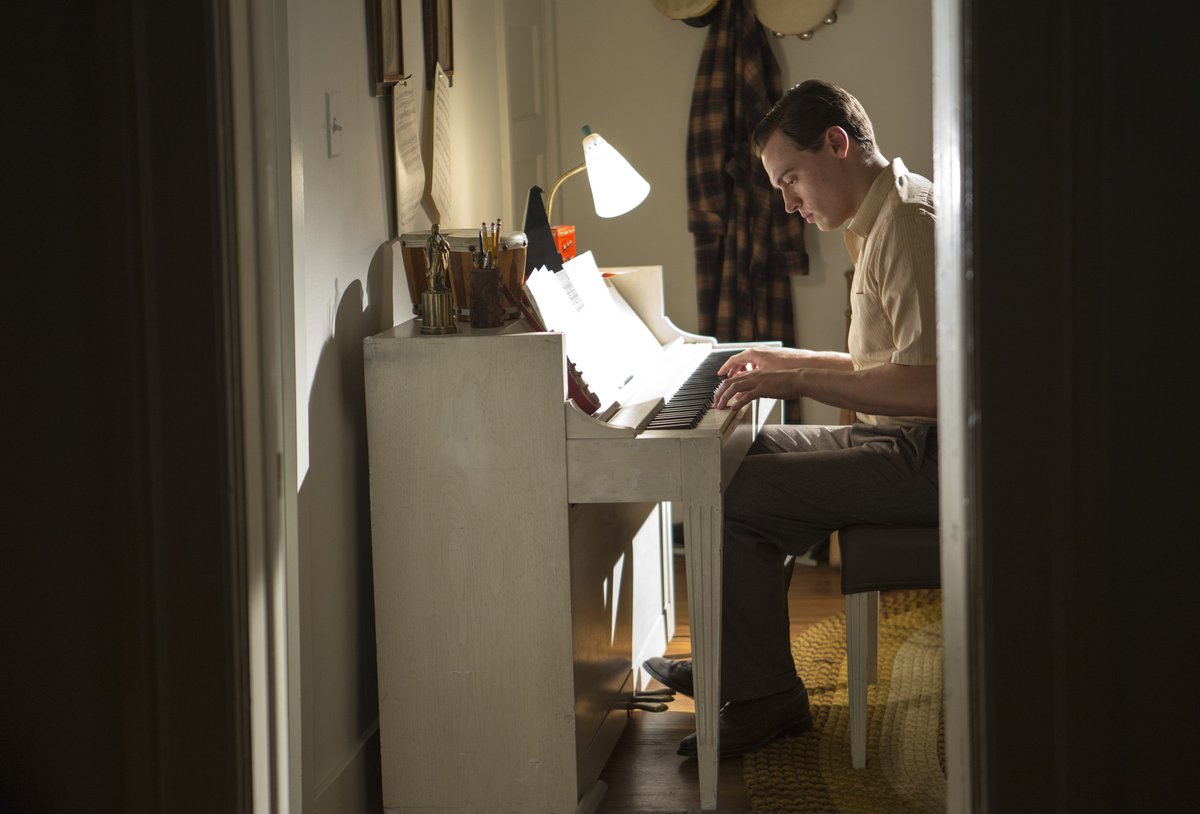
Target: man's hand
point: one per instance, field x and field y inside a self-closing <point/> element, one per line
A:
<point x="887" y="389"/>
<point x="764" y="358"/>
<point x="743" y="387"/>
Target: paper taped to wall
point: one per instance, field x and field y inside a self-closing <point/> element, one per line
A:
<point x="410" y="171"/>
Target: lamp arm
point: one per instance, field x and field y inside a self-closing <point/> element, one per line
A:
<point x="557" y="184"/>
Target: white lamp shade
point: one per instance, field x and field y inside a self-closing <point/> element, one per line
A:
<point x="616" y="186"/>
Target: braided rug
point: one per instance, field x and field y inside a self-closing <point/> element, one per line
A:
<point x="906" y="765"/>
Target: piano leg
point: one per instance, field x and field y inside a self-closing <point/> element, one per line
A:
<point x="702" y="549"/>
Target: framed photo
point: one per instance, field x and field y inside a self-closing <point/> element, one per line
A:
<point x="386" y="45"/>
<point x="439" y="39"/>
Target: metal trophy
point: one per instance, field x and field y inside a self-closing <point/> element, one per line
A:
<point x="436" y="302"/>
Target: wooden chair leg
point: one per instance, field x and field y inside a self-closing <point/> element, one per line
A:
<point x="873" y="637"/>
<point x="862" y="619"/>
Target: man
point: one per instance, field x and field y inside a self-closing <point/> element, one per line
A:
<point x="800" y="483"/>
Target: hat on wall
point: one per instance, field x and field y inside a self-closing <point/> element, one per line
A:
<point x="698" y="13"/>
<point x="800" y="17"/>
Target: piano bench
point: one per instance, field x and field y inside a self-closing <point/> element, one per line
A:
<point x="877" y="558"/>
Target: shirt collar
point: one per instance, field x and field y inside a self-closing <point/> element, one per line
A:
<point x="868" y="211"/>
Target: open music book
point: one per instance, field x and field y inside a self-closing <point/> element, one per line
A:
<point x="604" y="339"/>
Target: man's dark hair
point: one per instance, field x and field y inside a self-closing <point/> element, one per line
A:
<point x="807" y="110"/>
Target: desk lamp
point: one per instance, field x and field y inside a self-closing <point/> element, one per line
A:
<point x="616" y="189"/>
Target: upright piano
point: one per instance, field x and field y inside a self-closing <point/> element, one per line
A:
<point x="522" y="555"/>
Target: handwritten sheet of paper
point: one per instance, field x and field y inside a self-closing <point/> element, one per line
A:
<point x="627" y="337"/>
<point x="549" y="300"/>
<point x="603" y="337"/>
<point x="564" y="313"/>
<point x="442" y="187"/>
<point x="410" y="170"/>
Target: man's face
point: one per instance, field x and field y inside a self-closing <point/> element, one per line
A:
<point x="813" y="182"/>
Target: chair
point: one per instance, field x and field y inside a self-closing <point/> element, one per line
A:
<point x="877" y="558"/>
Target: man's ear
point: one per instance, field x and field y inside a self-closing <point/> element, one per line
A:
<point x="836" y="138"/>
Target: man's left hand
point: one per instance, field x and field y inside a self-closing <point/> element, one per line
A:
<point x="743" y="387"/>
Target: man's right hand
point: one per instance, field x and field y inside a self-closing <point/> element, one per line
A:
<point x="762" y="358"/>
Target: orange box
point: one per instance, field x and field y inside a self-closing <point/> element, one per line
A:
<point x="564" y="240"/>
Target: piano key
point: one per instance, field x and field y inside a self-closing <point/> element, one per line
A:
<point x="694" y="397"/>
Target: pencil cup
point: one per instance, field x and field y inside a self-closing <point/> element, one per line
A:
<point x="509" y="261"/>
<point x="487" y="311"/>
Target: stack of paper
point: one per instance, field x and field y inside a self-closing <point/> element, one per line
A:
<point x="605" y="340"/>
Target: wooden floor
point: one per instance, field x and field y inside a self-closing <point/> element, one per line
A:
<point x="644" y="773"/>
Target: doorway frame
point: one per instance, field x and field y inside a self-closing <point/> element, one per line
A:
<point x="957" y="412"/>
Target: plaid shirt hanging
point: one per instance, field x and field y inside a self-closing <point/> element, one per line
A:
<point x="746" y="244"/>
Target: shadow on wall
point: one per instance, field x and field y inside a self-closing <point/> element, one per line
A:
<point x="341" y="709"/>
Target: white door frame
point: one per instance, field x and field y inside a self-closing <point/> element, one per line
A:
<point x="258" y="85"/>
<point x="957" y="441"/>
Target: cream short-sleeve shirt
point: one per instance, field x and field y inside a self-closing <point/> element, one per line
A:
<point x="890" y="240"/>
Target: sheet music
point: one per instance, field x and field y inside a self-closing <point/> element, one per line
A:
<point x="603" y="337"/>
<point x="410" y="172"/>
<point x="443" y="168"/>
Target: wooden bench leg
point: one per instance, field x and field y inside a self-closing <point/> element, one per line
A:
<point x="862" y="642"/>
<point x="873" y="637"/>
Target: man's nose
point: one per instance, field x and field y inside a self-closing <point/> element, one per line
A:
<point x="790" y="204"/>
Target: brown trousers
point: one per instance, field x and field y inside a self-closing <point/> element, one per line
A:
<point x="797" y="485"/>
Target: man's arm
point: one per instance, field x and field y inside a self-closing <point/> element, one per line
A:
<point x="884" y="390"/>
<point x="769" y="357"/>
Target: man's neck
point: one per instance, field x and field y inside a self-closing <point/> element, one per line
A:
<point x="864" y="174"/>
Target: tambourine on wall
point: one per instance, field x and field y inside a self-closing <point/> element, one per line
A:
<point x="800" y="18"/>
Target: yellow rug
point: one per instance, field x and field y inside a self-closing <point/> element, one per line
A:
<point x="906" y="765"/>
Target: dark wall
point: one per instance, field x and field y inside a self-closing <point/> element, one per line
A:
<point x="1082" y="186"/>
<point x="121" y="664"/>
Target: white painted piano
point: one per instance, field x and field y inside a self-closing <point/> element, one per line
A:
<point x="522" y="558"/>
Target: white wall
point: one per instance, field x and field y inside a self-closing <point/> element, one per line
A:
<point x="627" y="71"/>
<point x="342" y="219"/>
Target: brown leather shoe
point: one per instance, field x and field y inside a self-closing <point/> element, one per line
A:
<point x="675" y="675"/>
<point x="748" y="725"/>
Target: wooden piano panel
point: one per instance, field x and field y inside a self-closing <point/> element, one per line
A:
<point x="649" y="466"/>
<point x="621" y="469"/>
<point x="501" y="672"/>
<point x="608" y="541"/>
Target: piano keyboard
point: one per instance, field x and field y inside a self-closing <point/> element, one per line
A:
<point x="688" y="404"/>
